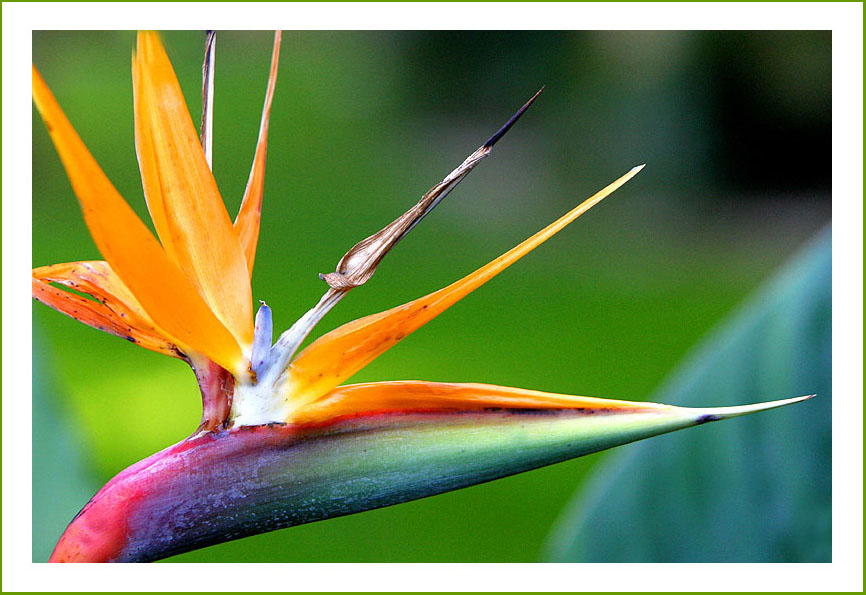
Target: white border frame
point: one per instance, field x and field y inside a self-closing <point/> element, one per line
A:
<point x="846" y="22"/>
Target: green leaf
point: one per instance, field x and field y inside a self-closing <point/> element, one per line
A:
<point x="62" y="482"/>
<point x="755" y="489"/>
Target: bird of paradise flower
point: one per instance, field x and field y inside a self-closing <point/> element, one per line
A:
<point x="282" y="440"/>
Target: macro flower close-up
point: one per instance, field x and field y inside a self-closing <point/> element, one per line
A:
<point x="294" y="426"/>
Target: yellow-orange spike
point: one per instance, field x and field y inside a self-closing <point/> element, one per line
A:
<point x="337" y="355"/>
<point x="416" y="395"/>
<point x="147" y="163"/>
<point x="249" y="216"/>
<point x="160" y="287"/>
<point x="114" y="310"/>
<point x="193" y="223"/>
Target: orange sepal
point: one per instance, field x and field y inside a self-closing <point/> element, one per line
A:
<point x="415" y="395"/>
<point x="134" y="254"/>
<point x="339" y="354"/>
<point x="182" y="195"/>
<point x="249" y="216"/>
<point x="114" y="309"/>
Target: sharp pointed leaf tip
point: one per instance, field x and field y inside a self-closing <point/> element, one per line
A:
<point x="708" y="414"/>
<point x="359" y="264"/>
<point x="507" y="126"/>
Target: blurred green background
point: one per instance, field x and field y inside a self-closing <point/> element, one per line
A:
<point x="734" y="128"/>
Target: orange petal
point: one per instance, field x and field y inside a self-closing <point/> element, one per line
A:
<point x="250" y="214"/>
<point x="416" y="395"/>
<point x="136" y="257"/>
<point x="182" y="195"/>
<point x="115" y="309"/>
<point x="337" y="355"/>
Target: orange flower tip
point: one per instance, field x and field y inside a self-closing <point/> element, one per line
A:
<point x="622" y="180"/>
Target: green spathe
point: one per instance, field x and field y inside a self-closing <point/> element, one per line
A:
<point x="222" y="486"/>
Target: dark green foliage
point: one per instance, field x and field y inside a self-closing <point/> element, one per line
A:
<point x="755" y="489"/>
